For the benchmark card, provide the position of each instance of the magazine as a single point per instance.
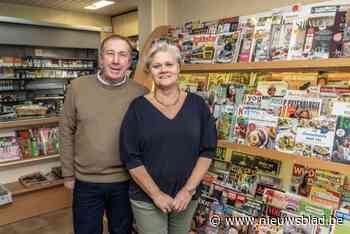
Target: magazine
(281, 32)
(9, 147)
(341, 149)
(262, 39)
(203, 48)
(226, 47)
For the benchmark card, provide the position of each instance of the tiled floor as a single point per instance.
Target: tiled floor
(59, 222)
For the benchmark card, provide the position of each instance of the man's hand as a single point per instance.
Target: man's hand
(182, 199)
(164, 202)
(69, 183)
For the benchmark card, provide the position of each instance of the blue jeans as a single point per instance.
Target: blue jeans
(91, 200)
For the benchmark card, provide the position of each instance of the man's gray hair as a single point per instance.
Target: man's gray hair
(161, 47)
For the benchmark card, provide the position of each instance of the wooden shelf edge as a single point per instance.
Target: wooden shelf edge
(295, 65)
(27, 161)
(16, 188)
(273, 154)
(29, 122)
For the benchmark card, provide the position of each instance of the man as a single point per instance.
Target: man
(93, 111)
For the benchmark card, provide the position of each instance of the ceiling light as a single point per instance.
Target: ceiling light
(99, 4)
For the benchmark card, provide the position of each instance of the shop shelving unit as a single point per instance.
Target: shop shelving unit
(332, 64)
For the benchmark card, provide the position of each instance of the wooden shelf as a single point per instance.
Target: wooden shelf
(16, 188)
(29, 122)
(28, 161)
(274, 154)
(332, 64)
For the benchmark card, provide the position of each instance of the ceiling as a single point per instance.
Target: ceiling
(119, 7)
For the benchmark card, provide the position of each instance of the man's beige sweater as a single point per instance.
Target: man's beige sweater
(89, 130)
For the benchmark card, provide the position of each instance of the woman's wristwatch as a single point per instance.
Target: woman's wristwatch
(190, 191)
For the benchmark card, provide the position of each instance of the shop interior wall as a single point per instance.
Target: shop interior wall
(126, 24)
(55, 16)
(181, 11)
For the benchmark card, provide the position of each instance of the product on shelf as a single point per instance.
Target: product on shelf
(9, 147)
(30, 110)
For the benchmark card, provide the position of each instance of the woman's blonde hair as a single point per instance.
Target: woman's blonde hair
(161, 46)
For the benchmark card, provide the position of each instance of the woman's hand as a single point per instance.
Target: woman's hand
(164, 202)
(182, 199)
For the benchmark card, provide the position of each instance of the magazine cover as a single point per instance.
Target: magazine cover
(241, 127)
(341, 149)
(314, 137)
(261, 130)
(320, 28)
(226, 47)
(272, 88)
(225, 121)
(301, 105)
(262, 165)
(9, 147)
(325, 197)
(262, 39)
(203, 48)
(200, 219)
(296, 80)
(284, 201)
(308, 208)
(247, 27)
(216, 79)
(281, 32)
(227, 25)
(296, 45)
(186, 48)
(303, 178)
(346, 36)
(345, 226)
(220, 153)
(264, 182)
(336, 48)
(297, 228)
(211, 26)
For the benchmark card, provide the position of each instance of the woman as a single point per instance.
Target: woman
(168, 139)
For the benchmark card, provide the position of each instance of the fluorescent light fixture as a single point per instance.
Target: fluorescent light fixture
(99, 4)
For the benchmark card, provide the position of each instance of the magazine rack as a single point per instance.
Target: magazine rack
(332, 64)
